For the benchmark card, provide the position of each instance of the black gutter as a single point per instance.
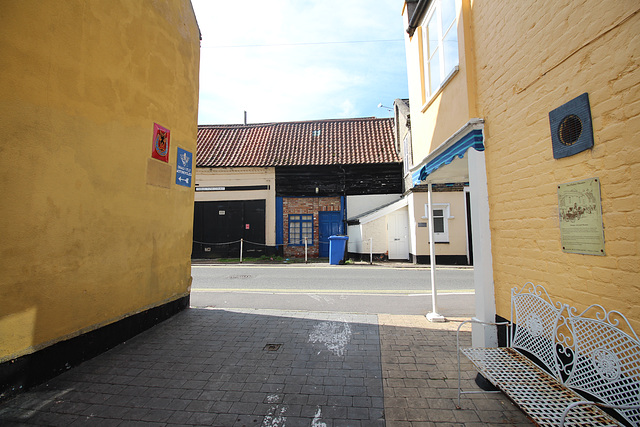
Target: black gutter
(416, 10)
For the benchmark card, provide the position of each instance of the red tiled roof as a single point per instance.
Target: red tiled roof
(339, 141)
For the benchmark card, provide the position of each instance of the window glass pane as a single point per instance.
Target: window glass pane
(308, 233)
(448, 8)
(300, 226)
(450, 50)
(438, 225)
(433, 36)
(434, 74)
(437, 212)
(441, 44)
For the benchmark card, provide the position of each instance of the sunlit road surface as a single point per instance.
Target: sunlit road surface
(322, 287)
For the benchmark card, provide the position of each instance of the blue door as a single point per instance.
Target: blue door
(329, 224)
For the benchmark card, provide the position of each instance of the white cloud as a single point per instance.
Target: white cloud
(287, 83)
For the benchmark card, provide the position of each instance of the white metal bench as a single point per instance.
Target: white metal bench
(595, 353)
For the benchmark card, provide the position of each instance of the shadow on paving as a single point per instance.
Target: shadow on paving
(223, 368)
(272, 369)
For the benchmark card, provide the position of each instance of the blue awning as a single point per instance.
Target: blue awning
(473, 139)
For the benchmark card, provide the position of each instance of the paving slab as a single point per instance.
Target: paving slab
(269, 368)
(420, 377)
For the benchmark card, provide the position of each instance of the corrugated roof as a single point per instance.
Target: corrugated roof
(318, 142)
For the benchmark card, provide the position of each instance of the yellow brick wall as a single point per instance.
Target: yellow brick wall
(85, 240)
(532, 58)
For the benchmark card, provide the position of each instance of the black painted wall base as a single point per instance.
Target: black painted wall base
(19, 374)
(502, 331)
(440, 259)
(366, 257)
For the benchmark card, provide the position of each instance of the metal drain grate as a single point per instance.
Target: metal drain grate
(272, 347)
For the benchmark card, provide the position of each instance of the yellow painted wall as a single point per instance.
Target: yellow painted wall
(85, 239)
(224, 177)
(532, 58)
(436, 119)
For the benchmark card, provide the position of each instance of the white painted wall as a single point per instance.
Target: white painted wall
(357, 205)
(354, 244)
(372, 236)
(360, 235)
(376, 229)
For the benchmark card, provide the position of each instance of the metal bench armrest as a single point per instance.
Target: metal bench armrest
(458, 347)
(479, 322)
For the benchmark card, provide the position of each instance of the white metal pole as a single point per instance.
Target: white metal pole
(241, 241)
(433, 316)
(370, 250)
(305, 250)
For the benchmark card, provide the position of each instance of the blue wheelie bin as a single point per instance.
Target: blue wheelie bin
(337, 246)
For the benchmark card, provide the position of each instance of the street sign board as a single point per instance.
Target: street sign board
(183, 167)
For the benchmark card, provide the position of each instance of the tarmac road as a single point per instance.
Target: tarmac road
(368, 289)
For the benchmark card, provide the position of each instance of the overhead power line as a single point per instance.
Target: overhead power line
(303, 44)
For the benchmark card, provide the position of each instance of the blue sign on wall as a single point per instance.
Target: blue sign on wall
(183, 168)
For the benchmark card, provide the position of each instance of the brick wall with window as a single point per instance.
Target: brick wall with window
(298, 213)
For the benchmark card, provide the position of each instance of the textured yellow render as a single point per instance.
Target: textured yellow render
(532, 57)
(85, 240)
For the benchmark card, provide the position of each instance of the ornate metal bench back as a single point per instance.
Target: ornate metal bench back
(537, 321)
(607, 359)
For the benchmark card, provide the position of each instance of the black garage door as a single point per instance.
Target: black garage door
(219, 226)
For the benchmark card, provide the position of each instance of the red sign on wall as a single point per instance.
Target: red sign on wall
(160, 143)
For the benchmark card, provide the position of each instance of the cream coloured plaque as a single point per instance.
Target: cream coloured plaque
(580, 211)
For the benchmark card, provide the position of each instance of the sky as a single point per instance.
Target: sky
(287, 60)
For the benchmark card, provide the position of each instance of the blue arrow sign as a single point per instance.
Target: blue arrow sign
(183, 168)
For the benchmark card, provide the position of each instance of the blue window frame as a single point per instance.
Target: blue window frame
(300, 226)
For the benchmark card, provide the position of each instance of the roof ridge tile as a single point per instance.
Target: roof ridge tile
(340, 141)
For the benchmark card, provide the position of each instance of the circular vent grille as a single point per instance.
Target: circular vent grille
(570, 129)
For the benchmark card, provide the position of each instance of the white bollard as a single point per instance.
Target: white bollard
(241, 241)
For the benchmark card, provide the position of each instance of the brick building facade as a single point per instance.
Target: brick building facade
(302, 206)
(287, 181)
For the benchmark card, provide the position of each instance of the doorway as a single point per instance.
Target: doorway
(397, 235)
(329, 224)
(218, 227)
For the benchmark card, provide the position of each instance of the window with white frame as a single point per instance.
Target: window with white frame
(440, 46)
(441, 217)
(300, 226)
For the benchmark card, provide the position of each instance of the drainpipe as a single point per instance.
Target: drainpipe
(416, 10)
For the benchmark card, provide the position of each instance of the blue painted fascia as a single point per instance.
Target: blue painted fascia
(473, 140)
(279, 221)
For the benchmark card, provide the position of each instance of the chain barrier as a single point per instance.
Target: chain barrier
(277, 245)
